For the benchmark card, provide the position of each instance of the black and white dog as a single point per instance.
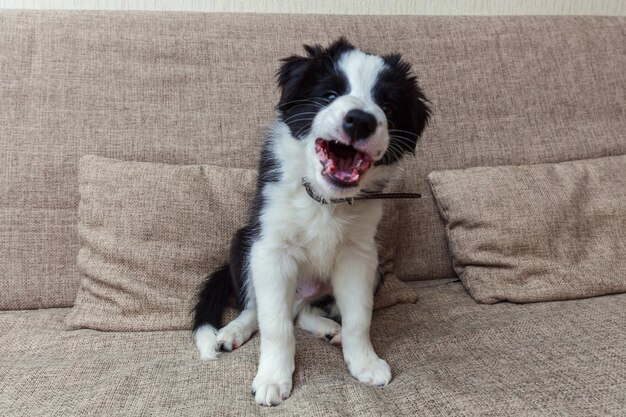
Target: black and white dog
(345, 118)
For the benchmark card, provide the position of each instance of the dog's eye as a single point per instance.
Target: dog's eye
(330, 96)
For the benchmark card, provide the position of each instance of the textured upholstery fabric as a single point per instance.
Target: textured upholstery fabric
(449, 356)
(149, 234)
(537, 232)
(199, 89)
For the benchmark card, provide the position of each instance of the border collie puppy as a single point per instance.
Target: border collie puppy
(345, 118)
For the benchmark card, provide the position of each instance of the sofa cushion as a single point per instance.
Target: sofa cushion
(448, 354)
(189, 88)
(150, 233)
(537, 232)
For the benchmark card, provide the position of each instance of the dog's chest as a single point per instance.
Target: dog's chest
(319, 236)
(310, 233)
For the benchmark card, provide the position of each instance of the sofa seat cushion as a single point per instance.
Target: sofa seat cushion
(449, 356)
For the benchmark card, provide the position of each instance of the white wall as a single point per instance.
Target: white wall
(421, 7)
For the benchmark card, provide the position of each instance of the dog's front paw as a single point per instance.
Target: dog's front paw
(370, 370)
(271, 391)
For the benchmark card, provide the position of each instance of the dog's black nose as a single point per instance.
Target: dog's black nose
(359, 124)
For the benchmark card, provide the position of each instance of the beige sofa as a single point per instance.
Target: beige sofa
(195, 88)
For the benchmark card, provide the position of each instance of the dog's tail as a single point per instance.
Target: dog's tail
(208, 311)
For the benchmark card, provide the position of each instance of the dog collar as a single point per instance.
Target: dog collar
(350, 200)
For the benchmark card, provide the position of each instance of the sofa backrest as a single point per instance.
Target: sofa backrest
(199, 88)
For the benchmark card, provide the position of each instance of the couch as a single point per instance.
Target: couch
(199, 88)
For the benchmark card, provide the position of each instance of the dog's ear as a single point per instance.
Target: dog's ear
(289, 75)
(313, 51)
(339, 46)
(295, 68)
(292, 68)
(419, 108)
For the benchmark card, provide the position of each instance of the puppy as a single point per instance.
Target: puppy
(345, 119)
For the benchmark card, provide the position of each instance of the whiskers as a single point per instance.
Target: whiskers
(400, 143)
(300, 116)
(305, 117)
(303, 129)
(304, 102)
(403, 132)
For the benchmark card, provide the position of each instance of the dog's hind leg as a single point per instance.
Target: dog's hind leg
(313, 321)
(238, 331)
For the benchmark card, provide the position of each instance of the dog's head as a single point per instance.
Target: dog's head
(356, 114)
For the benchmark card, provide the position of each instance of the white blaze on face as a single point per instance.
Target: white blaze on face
(362, 72)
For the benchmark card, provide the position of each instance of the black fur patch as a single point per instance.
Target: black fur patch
(307, 83)
(212, 299)
(405, 106)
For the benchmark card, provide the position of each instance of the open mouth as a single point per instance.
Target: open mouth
(342, 164)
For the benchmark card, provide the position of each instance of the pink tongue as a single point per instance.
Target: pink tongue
(343, 171)
(345, 176)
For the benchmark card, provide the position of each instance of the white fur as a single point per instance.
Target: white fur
(206, 342)
(274, 270)
(362, 71)
(354, 280)
(301, 238)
